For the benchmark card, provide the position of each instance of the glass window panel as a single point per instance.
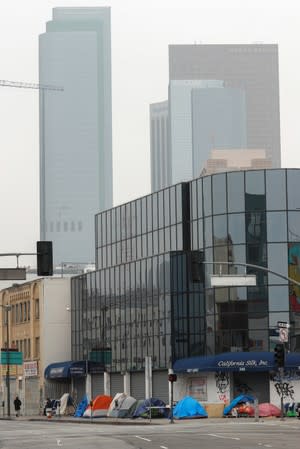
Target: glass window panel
(279, 298)
(167, 206)
(108, 222)
(255, 182)
(193, 200)
(155, 210)
(235, 192)
(208, 232)
(133, 218)
(293, 182)
(276, 189)
(194, 236)
(161, 209)
(178, 203)
(219, 193)
(149, 213)
(277, 262)
(113, 225)
(200, 233)
(237, 253)
(276, 227)
(294, 226)
(179, 237)
(207, 195)
(220, 235)
(236, 228)
(173, 205)
(167, 240)
(144, 215)
(173, 238)
(161, 240)
(199, 196)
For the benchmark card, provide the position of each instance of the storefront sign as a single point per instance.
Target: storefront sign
(30, 369)
(243, 364)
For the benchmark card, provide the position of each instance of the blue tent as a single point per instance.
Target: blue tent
(238, 400)
(158, 409)
(81, 407)
(188, 407)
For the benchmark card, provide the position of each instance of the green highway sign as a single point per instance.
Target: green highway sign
(11, 358)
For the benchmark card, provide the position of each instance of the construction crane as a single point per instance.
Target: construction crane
(22, 85)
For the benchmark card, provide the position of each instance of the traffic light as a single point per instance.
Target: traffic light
(172, 377)
(279, 355)
(44, 258)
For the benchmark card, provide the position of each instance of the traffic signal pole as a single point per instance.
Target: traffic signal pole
(8, 365)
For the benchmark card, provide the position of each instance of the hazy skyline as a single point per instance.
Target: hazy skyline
(140, 37)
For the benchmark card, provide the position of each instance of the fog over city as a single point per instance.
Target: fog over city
(141, 32)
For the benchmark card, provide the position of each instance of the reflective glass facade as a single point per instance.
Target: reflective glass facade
(147, 296)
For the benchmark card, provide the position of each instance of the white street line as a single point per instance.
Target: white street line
(163, 447)
(141, 438)
(268, 445)
(222, 436)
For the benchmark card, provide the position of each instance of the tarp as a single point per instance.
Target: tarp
(158, 409)
(242, 398)
(81, 407)
(120, 405)
(266, 409)
(100, 407)
(66, 405)
(235, 361)
(188, 407)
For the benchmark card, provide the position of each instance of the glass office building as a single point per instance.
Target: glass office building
(150, 295)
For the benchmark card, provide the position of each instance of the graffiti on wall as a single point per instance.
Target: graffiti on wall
(285, 390)
(222, 384)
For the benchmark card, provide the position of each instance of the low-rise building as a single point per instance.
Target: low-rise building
(38, 325)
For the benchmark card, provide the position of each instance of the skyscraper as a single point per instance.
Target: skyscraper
(253, 68)
(75, 129)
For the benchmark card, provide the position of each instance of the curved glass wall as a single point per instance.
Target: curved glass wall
(148, 297)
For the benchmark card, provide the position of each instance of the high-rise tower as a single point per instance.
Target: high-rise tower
(252, 68)
(75, 130)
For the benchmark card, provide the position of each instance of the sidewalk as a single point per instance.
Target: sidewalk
(133, 422)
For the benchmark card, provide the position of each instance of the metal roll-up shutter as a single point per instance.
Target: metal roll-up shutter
(32, 396)
(79, 389)
(137, 385)
(55, 389)
(97, 384)
(160, 385)
(116, 384)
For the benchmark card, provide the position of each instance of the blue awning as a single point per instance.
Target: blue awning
(235, 361)
(65, 370)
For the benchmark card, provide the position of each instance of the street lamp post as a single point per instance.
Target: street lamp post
(7, 308)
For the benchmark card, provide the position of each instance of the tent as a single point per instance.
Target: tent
(120, 405)
(99, 408)
(188, 407)
(81, 407)
(266, 409)
(242, 398)
(158, 409)
(66, 405)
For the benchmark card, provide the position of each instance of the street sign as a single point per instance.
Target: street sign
(232, 280)
(283, 324)
(11, 358)
(12, 274)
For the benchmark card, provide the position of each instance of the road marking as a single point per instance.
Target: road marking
(141, 438)
(163, 447)
(222, 436)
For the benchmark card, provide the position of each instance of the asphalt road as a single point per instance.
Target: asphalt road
(194, 434)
